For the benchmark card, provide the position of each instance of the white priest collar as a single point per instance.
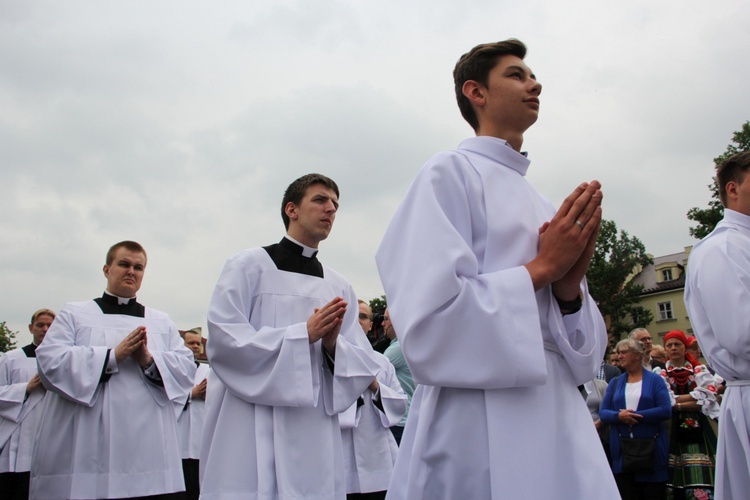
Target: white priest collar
(307, 251)
(120, 300)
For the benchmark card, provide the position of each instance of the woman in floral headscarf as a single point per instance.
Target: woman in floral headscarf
(692, 448)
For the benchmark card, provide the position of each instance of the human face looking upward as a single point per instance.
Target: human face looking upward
(509, 104)
(311, 221)
(193, 342)
(39, 327)
(125, 274)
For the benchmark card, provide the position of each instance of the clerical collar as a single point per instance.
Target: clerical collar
(298, 247)
(110, 297)
(110, 304)
(289, 256)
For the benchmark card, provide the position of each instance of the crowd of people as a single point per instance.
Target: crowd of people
(472, 391)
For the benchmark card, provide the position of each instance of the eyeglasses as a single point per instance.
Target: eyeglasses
(364, 316)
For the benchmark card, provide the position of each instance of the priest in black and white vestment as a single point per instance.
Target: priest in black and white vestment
(287, 355)
(114, 371)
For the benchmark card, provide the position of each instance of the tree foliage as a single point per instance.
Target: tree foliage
(378, 305)
(707, 218)
(7, 338)
(616, 257)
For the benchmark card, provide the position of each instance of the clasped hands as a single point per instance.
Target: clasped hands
(325, 323)
(629, 417)
(567, 243)
(135, 345)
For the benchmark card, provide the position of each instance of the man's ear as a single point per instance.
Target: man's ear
(291, 210)
(105, 270)
(731, 189)
(474, 92)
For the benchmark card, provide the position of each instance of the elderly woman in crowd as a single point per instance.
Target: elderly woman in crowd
(636, 405)
(693, 441)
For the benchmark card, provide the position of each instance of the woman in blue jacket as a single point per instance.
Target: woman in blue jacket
(636, 405)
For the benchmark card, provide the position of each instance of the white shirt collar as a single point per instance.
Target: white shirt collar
(306, 250)
(120, 300)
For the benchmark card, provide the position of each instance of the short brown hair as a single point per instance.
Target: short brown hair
(732, 169)
(297, 189)
(42, 312)
(128, 245)
(476, 65)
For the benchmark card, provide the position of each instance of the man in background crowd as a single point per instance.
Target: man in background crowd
(21, 393)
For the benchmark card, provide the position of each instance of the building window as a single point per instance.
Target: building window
(666, 275)
(665, 311)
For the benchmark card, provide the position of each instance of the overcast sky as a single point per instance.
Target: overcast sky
(179, 125)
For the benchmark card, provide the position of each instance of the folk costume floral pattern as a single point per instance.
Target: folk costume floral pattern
(692, 448)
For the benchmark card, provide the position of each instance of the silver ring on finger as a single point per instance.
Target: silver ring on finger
(579, 224)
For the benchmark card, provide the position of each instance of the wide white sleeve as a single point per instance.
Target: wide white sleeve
(457, 327)
(265, 364)
(354, 367)
(719, 284)
(176, 367)
(581, 337)
(392, 396)
(70, 370)
(12, 395)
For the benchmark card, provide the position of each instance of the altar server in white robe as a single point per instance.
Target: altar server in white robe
(114, 371)
(287, 355)
(370, 449)
(21, 393)
(191, 417)
(485, 285)
(717, 295)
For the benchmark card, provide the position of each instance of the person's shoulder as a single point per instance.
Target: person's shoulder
(248, 258)
(331, 274)
(12, 354)
(152, 313)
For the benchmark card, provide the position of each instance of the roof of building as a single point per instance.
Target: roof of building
(647, 277)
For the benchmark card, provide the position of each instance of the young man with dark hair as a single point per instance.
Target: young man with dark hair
(288, 356)
(485, 285)
(717, 294)
(21, 394)
(114, 370)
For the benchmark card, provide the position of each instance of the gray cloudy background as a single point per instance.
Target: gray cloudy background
(179, 124)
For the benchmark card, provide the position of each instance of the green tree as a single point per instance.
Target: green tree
(378, 305)
(707, 218)
(7, 338)
(616, 258)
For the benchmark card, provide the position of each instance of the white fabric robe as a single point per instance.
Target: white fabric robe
(370, 449)
(19, 417)
(190, 420)
(497, 413)
(717, 295)
(272, 429)
(117, 438)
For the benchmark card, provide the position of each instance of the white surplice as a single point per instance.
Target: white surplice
(717, 296)
(497, 413)
(116, 438)
(272, 429)
(19, 415)
(370, 449)
(191, 418)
